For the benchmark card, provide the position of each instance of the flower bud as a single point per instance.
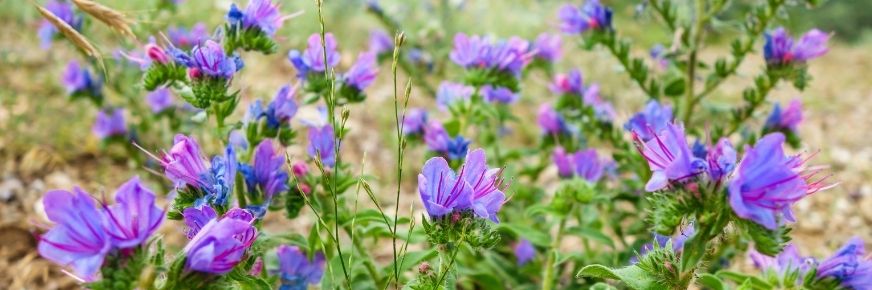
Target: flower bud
(424, 268)
(300, 169)
(156, 53)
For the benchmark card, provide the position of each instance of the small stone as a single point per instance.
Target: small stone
(9, 188)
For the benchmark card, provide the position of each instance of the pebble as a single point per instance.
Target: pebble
(10, 187)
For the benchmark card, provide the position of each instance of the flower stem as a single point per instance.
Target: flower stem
(548, 277)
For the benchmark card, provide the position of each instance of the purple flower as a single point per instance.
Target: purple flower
(767, 182)
(443, 191)
(788, 119)
(563, 162)
(548, 47)
(313, 58)
(721, 159)
(280, 110)
(658, 54)
(414, 121)
(601, 109)
(185, 165)
(78, 239)
(159, 100)
(678, 239)
(591, 16)
(650, 121)
(551, 121)
(436, 137)
(438, 140)
(109, 123)
(450, 93)
(787, 261)
(266, 172)
(221, 243)
(260, 14)
(322, 144)
(237, 140)
(363, 72)
(64, 11)
(134, 216)
(524, 251)
(196, 218)
(668, 156)
(487, 185)
(297, 270)
(78, 80)
(780, 48)
(380, 42)
(498, 94)
(568, 84)
(588, 165)
(209, 58)
(849, 266)
(184, 38)
(476, 52)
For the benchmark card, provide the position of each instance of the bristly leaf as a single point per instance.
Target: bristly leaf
(767, 242)
(632, 276)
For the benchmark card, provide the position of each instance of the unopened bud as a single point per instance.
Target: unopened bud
(156, 53)
(424, 268)
(455, 217)
(194, 73)
(300, 169)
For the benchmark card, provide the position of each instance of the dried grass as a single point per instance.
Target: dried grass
(74, 36)
(112, 18)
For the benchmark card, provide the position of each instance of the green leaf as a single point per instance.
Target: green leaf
(711, 282)
(535, 236)
(675, 87)
(632, 276)
(751, 281)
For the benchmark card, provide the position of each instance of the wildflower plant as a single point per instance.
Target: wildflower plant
(663, 200)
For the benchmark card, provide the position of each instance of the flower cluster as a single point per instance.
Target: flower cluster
(276, 117)
(297, 270)
(786, 120)
(265, 177)
(848, 267)
(185, 165)
(110, 124)
(81, 84)
(312, 62)
(84, 234)
(438, 140)
(254, 27)
(492, 64)
(781, 49)
(451, 93)
(571, 88)
(187, 38)
(591, 16)
(476, 187)
(584, 163)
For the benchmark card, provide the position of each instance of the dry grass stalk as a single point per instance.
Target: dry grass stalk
(74, 36)
(114, 19)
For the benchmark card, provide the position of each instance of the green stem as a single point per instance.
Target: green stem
(447, 272)
(690, 78)
(548, 277)
(743, 50)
